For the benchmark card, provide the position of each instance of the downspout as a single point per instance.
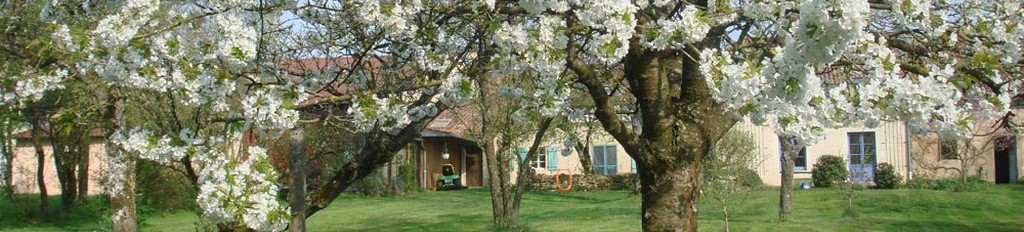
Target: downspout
(910, 159)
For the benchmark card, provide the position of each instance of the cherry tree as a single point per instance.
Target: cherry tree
(693, 69)
(932, 65)
(198, 51)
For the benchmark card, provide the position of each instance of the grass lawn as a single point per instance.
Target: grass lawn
(991, 208)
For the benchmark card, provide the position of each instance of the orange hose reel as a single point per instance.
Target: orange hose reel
(558, 182)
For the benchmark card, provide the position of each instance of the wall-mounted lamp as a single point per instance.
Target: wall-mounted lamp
(445, 154)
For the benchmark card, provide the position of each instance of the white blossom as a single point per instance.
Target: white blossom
(242, 191)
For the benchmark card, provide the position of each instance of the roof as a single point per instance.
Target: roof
(455, 122)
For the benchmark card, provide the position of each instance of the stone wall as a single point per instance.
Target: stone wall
(543, 182)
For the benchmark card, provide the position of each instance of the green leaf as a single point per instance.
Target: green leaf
(888, 64)
(611, 46)
(811, 30)
(787, 120)
(995, 101)
(815, 101)
(466, 86)
(791, 85)
(237, 53)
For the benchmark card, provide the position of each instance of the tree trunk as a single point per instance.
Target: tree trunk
(504, 181)
(37, 133)
(66, 176)
(121, 171)
(583, 152)
(725, 216)
(526, 172)
(83, 168)
(679, 123)
(494, 164)
(66, 146)
(788, 159)
(8, 153)
(786, 187)
(297, 170)
(494, 178)
(373, 155)
(670, 197)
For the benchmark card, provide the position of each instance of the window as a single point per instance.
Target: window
(540, 162)
(605, 159)
(948, 150)
(800, 163)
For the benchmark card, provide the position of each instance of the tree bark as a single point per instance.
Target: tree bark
(670, 197)
(8, 153)
(494, 164)
(725, 216)
(66, 177)
(379, 151)
(787, 158)
(83, 168)
(37, 143)
(679, 124)
(785, 188)
(526, 172)
(583, 150)
(66, 147)
(121, 171)
(297, 171)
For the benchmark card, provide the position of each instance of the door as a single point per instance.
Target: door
(474, 167)
(1004, 159)
(862, 158)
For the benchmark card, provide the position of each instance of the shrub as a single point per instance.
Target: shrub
(828, 171)
(886, 177)
(951, 184)
(749, 178)
(161, 189)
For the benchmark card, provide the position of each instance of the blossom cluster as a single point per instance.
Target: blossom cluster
(32, 86)
(144, 144)
(265, 109)
(242, 191)
(689, 27)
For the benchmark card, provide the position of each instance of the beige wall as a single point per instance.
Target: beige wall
(569, 160)
(890, 140)
(25, 165)
(979, 159)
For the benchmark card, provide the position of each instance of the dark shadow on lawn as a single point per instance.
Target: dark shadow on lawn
(23, 213)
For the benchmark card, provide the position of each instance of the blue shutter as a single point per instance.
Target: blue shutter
(552, 158)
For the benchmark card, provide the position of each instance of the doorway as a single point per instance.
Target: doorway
(1005, 159)
(862, 156)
